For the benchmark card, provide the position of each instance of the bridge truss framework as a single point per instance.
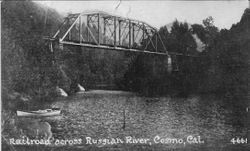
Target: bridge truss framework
(104, 31)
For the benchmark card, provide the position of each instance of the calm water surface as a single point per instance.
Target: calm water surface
(114, 114)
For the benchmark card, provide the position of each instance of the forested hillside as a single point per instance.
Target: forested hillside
(226, 58)
(27, 69)
(221, 68)
(26, 66)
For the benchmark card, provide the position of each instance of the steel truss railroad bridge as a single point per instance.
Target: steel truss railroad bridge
(105, 31)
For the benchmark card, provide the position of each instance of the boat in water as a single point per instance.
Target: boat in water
(40, 113)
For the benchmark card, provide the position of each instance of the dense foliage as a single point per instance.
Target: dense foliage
(26, 65)
(226, 58)
(221, 68)
(152, 74)
(27, 61)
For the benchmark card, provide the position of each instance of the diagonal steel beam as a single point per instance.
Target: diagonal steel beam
(70, 28)
(92, 35)
(59, 30)
(150, 39)
(162, 42)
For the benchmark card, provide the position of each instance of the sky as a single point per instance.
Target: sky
(160, 13)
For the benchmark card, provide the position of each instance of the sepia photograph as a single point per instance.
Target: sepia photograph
(125, 75)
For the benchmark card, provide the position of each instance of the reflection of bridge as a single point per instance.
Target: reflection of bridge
(105, 31)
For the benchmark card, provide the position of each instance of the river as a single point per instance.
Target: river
(102, 114)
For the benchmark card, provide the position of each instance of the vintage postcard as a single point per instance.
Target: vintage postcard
(125, 75)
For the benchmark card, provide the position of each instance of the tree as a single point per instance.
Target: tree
(181, 39)
(208, 22)
(211, 30)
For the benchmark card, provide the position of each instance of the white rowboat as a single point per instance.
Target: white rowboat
(46, 112)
